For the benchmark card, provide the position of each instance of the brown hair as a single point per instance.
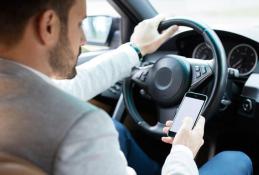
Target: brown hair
(14, 15)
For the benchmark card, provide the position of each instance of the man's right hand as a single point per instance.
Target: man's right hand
(191, 138)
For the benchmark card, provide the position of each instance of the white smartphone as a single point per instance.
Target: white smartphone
(191, 106)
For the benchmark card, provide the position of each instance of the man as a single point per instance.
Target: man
(40, 123)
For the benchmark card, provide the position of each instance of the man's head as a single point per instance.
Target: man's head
(43, 34)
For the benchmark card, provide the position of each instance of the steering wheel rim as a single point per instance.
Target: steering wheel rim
(220, 76)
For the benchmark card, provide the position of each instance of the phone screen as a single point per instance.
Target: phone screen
(190, 107)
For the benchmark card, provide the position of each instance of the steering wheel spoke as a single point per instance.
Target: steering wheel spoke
(165, 114)
(140, 75)
(201, 71)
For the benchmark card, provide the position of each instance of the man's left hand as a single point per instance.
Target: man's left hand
(147, 37)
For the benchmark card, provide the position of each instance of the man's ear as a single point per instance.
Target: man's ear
(48, 28)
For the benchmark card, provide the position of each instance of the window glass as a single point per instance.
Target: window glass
(239, 12)
(100, 7)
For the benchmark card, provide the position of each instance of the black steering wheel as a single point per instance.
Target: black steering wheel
(167, 80)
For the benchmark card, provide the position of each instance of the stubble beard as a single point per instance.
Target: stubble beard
(61, 58)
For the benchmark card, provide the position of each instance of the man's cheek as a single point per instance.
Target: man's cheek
(79, 51)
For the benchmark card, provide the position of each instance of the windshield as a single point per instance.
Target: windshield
(213, 12)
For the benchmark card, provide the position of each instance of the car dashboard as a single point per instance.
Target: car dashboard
(241, 47)
(241, 52)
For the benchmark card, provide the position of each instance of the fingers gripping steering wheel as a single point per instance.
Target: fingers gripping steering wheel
(172, 76)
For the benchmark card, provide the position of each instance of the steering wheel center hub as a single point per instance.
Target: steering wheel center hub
(170, 80)
(163, 78)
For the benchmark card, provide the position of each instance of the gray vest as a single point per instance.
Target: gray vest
(35, 116)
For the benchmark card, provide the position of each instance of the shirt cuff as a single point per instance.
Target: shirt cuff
(131, 54)
(182, 148)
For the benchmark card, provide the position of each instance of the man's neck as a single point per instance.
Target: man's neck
(26, 57)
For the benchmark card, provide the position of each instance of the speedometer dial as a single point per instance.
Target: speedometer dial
(244, 58)
(202, 51)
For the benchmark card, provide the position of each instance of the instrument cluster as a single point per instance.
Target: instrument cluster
(243, 57)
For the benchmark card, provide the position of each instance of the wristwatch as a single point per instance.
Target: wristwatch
(137, 49)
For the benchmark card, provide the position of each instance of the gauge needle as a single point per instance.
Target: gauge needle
(237, 63)
(204, 57)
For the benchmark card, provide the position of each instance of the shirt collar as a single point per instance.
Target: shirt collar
(43, 76)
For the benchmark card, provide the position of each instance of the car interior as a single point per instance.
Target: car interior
(218, 61)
